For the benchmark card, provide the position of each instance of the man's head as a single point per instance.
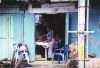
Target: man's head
(49, 28)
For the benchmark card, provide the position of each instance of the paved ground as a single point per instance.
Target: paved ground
(45, 64)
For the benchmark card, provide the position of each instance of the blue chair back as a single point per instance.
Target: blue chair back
(63, 52)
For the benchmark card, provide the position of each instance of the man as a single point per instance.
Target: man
(50, 38)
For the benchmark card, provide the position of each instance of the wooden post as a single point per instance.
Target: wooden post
(81, 28)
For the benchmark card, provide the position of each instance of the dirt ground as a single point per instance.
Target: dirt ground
(45, 64)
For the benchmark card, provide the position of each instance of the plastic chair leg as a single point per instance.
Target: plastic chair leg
(58, 59)
(63, 58)
(52, 59)
(27, 57)
(66, 58)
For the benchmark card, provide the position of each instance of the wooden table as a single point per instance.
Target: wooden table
(45, 45)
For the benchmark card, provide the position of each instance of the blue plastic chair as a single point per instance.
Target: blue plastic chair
(61, 52)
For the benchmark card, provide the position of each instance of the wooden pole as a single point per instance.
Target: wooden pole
(81, 29)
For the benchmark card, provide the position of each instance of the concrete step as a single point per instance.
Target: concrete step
(92, 63)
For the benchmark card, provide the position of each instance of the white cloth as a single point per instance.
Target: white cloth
(45, 44)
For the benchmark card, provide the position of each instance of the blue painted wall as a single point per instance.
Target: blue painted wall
(94, 25)
(6, 36)
(16, 26)
(24, 31)
(29, 34)
(73, 18)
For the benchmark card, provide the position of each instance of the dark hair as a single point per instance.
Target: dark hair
(48, 27)
(19, 45)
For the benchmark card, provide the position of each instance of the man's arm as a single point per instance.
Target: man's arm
(41, 36)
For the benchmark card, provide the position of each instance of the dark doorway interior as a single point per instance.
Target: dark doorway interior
(57, 23)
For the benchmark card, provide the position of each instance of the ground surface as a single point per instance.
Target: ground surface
(45, 64)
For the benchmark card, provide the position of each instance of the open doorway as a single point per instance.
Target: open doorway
(56, 22)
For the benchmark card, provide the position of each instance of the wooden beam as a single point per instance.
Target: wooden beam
(61, 0)
(54, 8)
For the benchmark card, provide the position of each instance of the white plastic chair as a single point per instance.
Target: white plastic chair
(24, 54)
